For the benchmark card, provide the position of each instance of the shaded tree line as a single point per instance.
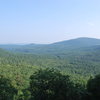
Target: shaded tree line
(50, 84)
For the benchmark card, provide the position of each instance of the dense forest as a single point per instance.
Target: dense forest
(67, 70)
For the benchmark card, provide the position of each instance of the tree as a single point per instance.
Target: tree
(80, 92)
(49, 84)
(7, 91)
(93, 87)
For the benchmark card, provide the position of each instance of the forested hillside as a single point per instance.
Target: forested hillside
(78, 58)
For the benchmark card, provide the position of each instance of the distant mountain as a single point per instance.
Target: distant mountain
(80, 42)
(58, 47)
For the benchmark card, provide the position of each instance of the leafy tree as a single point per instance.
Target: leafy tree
(25, 95)
(93, 87)
(7, 91)
(49, 84)
(80, 92)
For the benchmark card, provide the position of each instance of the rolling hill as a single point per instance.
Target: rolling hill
(59, 47)
(79, 58)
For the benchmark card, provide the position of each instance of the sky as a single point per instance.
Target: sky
(48, 21)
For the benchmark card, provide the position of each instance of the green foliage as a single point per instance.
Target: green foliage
(7, 91)
(79, 59)
(49, 84)
(93, 87)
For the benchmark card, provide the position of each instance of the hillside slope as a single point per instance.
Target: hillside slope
(59, 47)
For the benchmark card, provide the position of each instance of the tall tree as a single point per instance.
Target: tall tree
(93, 87)
(7, 91)
(49, 84)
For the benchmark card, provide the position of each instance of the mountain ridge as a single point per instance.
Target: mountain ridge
(79, 38)
(60, 47)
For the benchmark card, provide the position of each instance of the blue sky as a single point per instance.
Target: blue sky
(48, 21)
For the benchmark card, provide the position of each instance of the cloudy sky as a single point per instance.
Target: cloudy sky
(48, 21)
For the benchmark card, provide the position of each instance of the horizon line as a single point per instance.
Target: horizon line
(46, 43)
